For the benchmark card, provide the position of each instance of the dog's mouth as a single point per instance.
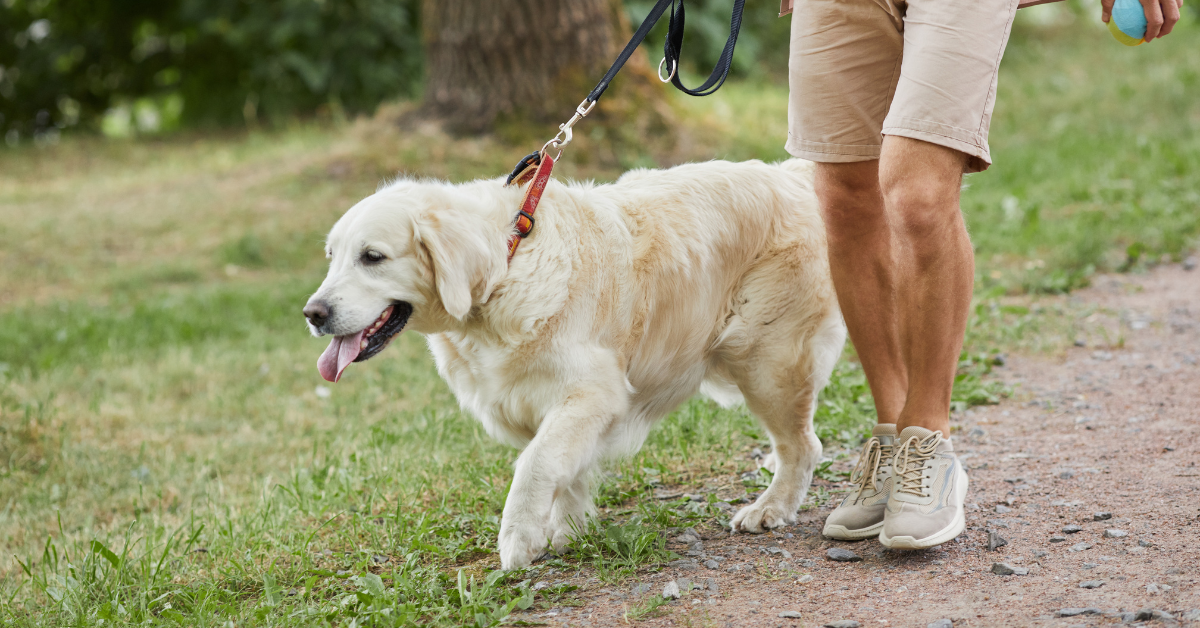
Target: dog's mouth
(365, 344)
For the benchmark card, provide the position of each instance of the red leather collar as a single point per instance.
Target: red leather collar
(539, 173)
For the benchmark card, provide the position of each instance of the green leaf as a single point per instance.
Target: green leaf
(271, 590)
(107, 554)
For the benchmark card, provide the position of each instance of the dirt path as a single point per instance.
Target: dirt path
(1095, 431)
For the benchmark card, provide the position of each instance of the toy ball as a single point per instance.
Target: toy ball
(1128, 22)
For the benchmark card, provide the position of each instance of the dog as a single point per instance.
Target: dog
(624, 301)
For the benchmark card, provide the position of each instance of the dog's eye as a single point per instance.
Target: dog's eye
(372, 257)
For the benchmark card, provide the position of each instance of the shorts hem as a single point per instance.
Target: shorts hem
(821, 152)
(978, 156)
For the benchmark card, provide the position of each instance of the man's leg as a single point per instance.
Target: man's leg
(862, 261)
(935, 272)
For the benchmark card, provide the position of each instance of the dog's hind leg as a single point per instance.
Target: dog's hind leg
(781, 378)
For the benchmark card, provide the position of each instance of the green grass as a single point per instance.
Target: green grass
(169, 456)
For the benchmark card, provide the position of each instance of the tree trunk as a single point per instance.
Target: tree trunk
(530, 61)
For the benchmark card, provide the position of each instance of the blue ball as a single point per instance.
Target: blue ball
(1130, 18)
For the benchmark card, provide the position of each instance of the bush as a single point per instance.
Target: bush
(66, 62)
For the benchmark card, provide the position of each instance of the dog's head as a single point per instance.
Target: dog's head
(414, 254)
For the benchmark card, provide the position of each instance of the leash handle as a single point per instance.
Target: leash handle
(672, 49)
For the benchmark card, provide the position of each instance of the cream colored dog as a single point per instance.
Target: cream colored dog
(623, 302)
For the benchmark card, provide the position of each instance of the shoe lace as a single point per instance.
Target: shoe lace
(909, 467)
(867, 469)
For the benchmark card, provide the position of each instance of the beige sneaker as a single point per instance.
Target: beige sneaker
(929, 485)
(860, 515)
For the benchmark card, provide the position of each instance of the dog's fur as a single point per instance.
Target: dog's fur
(624, 301)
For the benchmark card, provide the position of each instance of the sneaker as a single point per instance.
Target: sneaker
(860, 515)
(929, 485)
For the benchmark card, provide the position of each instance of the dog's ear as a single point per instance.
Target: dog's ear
(466, 263)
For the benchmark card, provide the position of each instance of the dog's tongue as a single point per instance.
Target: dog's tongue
(341, 352)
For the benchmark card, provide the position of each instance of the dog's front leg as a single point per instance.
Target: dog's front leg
(562, 453)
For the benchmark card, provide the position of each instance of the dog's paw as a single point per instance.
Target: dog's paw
(764, 514)
(520, 545)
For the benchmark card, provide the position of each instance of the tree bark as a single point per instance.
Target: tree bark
(526, 60)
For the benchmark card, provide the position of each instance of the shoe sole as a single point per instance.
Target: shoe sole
(842, 533)
(956, 527)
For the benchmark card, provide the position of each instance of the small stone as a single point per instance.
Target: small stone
(995, 541)
(998, 523)
(1057, 539)
(1005, 569)
(671, 591)
(1079, 547)
(641, 588)
(1072, 612)
(712, 564)
(1144, 543)
(1040, 553)
(1091, 584)
(1102, 516)
(1192, 615)
(941, 623)
(842, 555)
(1190, 263)
(1002, 509)
(790, 615)
(683, 563)
(538, 586)
(805, 579)
(1147, 614)
(1115, 534)
(1072, 529)
(843, 623)
(1090, 565)
(1066, 475)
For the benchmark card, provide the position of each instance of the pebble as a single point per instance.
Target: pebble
(1115, 534)
(1144, 543)
(1079, 547)
(1057, 539)
(712, 586)
(712, 564)
(1190, 263)
(1102, 516)
(1005, 569)
(641, 588)
(1002, 509)
(842, 556)
(1072, 529)
(538, 586)
(1040, 553)
(683, 563)
(843, 623)
(688, 537)
(790, 615)
(1147, 614)
(779, 551)
(1091, 584)
(1072, 612)
(805, 579)
(1192, 615)
(1066, 475)
(1154, 588)
(995, 541)
(1090, 565)
(671, 591)
(941, 623)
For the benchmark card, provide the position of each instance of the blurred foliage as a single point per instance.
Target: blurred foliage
(157, 63)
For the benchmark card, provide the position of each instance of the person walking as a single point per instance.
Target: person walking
(893, 100)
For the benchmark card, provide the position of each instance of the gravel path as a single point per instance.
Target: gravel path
(1086, 482)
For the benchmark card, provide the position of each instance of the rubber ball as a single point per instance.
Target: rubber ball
(1128, 22)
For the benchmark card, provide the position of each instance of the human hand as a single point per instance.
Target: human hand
(1161, 15)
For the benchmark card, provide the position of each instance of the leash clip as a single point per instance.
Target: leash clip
(565, 134)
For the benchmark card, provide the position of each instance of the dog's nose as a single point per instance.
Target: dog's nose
(316, 312)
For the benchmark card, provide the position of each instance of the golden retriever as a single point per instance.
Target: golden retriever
(625, 300)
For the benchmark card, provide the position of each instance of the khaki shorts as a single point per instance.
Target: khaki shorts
(924, 69)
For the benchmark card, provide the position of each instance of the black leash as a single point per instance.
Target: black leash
(671, 51)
